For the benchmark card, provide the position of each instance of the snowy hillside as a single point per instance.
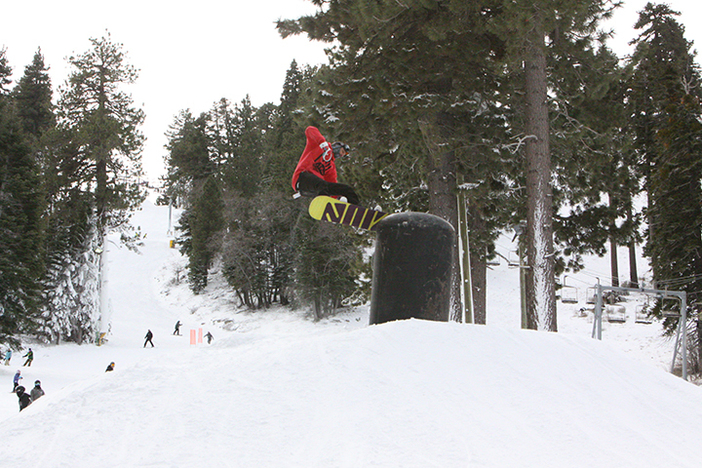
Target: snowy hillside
(277, 390)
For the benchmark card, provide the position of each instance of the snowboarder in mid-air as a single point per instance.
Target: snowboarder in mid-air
(315, 173)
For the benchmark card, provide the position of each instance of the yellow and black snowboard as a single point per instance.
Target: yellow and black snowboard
(335, 211)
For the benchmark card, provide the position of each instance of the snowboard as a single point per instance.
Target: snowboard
(334, 211)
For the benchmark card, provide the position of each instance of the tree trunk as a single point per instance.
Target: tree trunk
(614, 262)
(479, 276)
(442, 192)
(541, 291)
(633, 271)
(476, 224)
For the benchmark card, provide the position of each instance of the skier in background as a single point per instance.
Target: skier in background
(37, 392)
(315, 173)
(8, 356)
(148, 337)
(177, 328)
(30, 358)
(209, 337)
(110, 367)
(16, 379)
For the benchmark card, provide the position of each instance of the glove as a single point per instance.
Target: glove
(337, 146)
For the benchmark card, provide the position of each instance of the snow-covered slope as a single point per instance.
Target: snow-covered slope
(277, 390)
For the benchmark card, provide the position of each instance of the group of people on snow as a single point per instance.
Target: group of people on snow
(29, 356)
(24, 398)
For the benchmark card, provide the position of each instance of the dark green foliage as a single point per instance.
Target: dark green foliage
(32, 97)
(92, 167)
(251, 153)
(5, 72)
(664, 103)
(104, 124)
(205, 222)
(412, 87)
(325, 265)
(21, 233)
(258, 250)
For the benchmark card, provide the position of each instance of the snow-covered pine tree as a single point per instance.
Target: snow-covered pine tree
(73, 302)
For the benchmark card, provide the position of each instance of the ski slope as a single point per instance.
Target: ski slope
(277, 390)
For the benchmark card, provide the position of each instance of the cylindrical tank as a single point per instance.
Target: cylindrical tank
(412, 268)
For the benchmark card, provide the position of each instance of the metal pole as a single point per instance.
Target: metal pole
(464, 248)
(597, 323)
(683, 326)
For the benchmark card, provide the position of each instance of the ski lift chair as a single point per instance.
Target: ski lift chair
(642, 314)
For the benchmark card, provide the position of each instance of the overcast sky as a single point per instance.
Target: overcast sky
(191, 54)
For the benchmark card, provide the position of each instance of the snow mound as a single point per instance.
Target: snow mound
(402, 394)
(275, 389)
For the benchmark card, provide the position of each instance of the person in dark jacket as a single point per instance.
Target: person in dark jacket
(37, 392)
(148, 337)
(110, 367)
(315, 173)
(24, 398)
(177, 328)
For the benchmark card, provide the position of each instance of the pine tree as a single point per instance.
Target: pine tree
(284, 142)
(191, 177)
(32, 96)
(21, 239)
(104, 122)
(204, 222)
(5, 72)
(325, 267)
(92, 170)
(536, 35)
(412, 85)
(664, 102)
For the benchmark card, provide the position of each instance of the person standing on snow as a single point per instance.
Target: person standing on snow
(177, 328)
(209, 337)
(24, 398)
(16, 380)
(148, 337)
(30, 358)
(8, 356)
(315, 173)
(37, 392)
(110, 367)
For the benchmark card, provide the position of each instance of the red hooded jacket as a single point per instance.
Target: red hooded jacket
(317, 158)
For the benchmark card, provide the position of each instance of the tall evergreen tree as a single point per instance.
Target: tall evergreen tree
(104, 121)
(95, 164)
(5, 72)
(664, 103)
(21, 233)
(204, 222)
(191, 170)
(412, 86)
(32, 96)
(537, 33)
